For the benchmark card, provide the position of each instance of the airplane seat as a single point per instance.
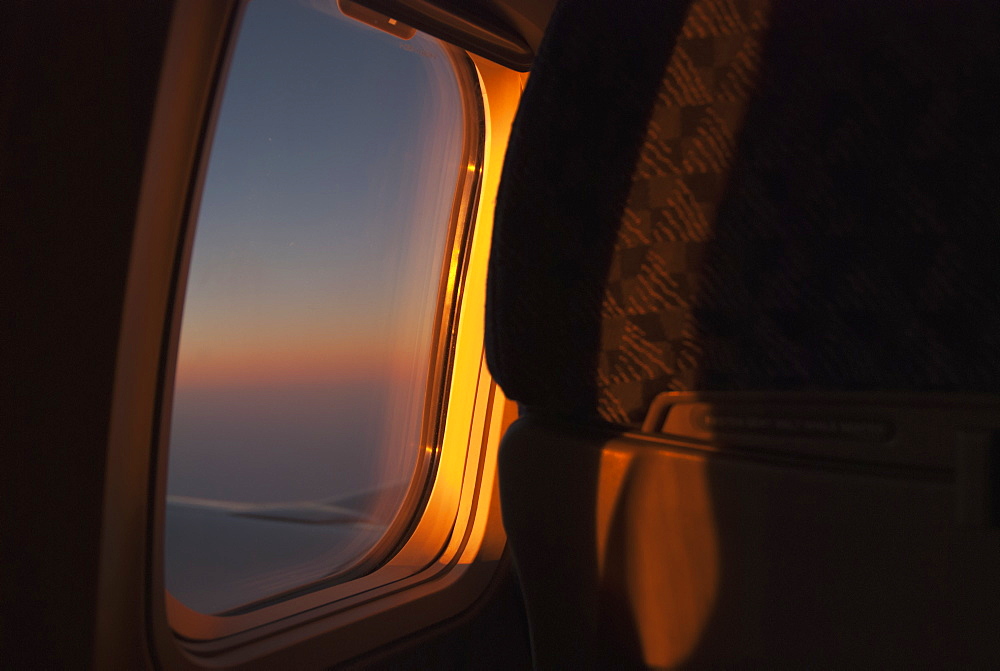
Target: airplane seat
(743, 288)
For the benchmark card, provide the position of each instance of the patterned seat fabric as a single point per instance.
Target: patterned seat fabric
(812, 206)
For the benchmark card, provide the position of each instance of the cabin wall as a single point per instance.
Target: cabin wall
(79, 81)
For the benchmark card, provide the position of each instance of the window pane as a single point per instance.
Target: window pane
(308, 320)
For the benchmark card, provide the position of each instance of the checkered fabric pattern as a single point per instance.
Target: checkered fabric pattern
(823, 221)
(751, 195)
(647, 341)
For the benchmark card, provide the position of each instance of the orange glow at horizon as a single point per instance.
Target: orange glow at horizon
(211, 368)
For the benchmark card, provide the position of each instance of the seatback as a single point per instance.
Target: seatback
(743, 286)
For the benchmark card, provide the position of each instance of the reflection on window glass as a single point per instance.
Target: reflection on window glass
(308, 320)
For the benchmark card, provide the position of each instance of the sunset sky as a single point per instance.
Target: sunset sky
(317, 257)
(319, 169)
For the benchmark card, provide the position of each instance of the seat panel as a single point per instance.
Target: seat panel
(705, 551)
(792, 197)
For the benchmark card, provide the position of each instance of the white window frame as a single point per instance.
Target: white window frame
(457, 542)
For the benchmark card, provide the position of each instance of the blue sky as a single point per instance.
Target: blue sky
(318, 171)
(317, 257)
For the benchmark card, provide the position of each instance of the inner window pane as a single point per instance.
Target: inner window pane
(308, 319)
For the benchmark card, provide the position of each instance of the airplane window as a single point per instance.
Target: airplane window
(297, 420)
